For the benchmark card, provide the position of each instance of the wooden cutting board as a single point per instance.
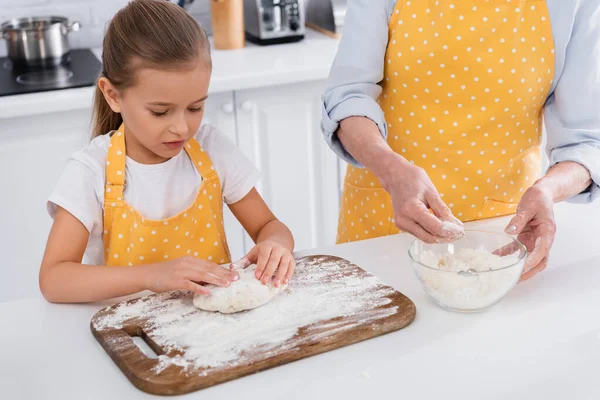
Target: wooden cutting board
(323, 285)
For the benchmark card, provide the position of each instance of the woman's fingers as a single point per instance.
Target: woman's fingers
(534, 271)
(439, 208)
(417, 230)
(540, 252)
(519, 221)
(507, 250)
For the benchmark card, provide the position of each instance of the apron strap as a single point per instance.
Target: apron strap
(201, 160)
(115, 167)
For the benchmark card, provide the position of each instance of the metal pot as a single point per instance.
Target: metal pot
(38, 41)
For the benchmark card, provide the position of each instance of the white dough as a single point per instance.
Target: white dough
(245, 294)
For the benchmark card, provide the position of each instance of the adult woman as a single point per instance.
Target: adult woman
(442, 102)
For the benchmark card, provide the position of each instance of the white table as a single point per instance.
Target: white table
(541, 342)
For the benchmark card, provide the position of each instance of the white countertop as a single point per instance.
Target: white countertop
(541, 342)
(250, 67)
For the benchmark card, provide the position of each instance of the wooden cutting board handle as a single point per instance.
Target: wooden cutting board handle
(228, 24)
(137, 366)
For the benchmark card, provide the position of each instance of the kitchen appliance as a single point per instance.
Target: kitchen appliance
(326, 16)
(274, 21)
(38, 41)
(78, 68)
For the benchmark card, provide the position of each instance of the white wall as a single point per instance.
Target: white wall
(92, 14)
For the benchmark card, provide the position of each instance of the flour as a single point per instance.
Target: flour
(320, 291)
(454, 229)
(470, 279)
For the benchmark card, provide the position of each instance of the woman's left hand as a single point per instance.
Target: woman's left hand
(535, 227)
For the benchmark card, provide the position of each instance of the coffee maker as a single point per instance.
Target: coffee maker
(274, 21)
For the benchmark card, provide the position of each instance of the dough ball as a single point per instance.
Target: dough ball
(245, 294)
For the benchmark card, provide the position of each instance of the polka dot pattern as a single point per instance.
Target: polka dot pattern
(130, 239)
(463, 91)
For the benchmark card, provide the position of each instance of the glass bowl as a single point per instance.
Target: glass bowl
(470, 274)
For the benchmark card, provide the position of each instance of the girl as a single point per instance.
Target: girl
(142, 202)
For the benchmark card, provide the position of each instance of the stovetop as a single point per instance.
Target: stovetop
(82, 70)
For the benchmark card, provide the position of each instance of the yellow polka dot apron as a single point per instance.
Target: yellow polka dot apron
(464, 86)
(130, 239)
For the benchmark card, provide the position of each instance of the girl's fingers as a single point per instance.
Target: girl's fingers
(252, 255)
(262, 260)
(195, 288)
(206, 276)
(282, 269)
(271, 267)
(242, 263)
(290, 271)
(220, 272)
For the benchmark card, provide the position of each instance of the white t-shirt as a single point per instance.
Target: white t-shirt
(157, 191)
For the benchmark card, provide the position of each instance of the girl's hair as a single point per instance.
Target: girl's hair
(145, 33)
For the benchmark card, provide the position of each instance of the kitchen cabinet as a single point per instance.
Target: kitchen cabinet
(220, 112)
(33, 153)
(277, 127)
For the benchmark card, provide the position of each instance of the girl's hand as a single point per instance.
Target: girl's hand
(535, 227)
(187, 273)
(271, 257)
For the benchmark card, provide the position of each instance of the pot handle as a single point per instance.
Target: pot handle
(73, 27)
(4, 34)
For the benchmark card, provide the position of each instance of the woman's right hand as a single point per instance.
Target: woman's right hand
(413, 194)
(187, 273)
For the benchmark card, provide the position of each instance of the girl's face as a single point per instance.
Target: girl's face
(162, 111)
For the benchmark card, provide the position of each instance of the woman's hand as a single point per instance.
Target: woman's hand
(271, 257)
(413, 194)
(535, 227)
(187, 273)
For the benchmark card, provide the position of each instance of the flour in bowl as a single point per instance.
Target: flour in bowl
(468, 279)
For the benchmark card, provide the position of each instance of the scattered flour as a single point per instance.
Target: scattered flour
(366, 374)
(472, 279)
(194, 339)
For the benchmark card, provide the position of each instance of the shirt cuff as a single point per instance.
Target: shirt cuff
(588, 155)
(352, 107)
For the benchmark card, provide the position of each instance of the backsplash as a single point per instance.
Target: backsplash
(92, 14)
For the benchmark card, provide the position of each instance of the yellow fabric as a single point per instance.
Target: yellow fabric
(130, 239)
(464, 86)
